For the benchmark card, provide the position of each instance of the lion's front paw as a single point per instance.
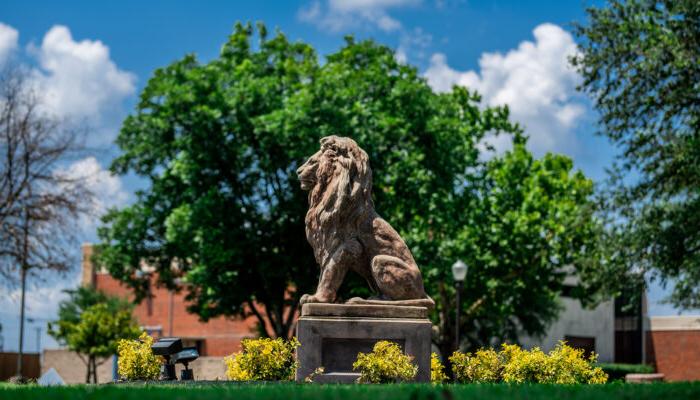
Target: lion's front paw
(313, 298)
(305, 299)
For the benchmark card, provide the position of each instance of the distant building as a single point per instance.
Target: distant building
(673, 346)
(593, 330)
(621, 333)
(164, 313)
(616, 333)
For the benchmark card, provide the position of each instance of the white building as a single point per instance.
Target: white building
(610, 331)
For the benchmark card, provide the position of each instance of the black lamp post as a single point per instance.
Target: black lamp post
(459, 273)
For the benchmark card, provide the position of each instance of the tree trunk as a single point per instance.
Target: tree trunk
(21, 322)
(87, 373)
(281, 327)
(94, 369)
(91, 375)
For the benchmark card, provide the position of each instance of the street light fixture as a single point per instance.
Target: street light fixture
(459, 273)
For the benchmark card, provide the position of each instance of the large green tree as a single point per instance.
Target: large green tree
(91, 323)
(220, 142)
(528, 227)
(640, 61)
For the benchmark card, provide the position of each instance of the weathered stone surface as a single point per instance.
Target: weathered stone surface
(347, 234)
(332, 342)
(363, 311)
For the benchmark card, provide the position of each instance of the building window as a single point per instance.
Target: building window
(628, 329)
(587, 344)
(155, 331)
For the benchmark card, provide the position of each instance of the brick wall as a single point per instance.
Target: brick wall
(165, 314)
(673, 346)
(220, 336)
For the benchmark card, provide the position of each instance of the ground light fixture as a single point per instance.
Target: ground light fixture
(184, 357)
(459, 273)
(170, 348)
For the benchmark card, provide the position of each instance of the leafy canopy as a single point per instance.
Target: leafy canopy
(639, 60)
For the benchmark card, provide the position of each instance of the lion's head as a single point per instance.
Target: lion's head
(338, 177)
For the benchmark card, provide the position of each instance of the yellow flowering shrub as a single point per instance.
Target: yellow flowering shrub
(437, 370)
(310, 378)
(563, 365)
(573, 367)
(521, 366)
(484, 366)
(385, 364)
(136, 360)
(263, 359)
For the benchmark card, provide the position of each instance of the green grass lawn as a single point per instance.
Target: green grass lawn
(657, 391)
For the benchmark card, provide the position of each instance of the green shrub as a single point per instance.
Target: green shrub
(437, 370)
(263, 360)
(618, 371)
(563, 365)
(385, 364)
(136, 360)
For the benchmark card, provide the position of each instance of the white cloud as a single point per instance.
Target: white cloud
(78, 78)
(107, 189)
(41, 304)
(535, 81)
(338, 15)
(413, 44)
(8, 41)
(41, 301)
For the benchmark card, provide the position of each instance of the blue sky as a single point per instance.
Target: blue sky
(93, 58)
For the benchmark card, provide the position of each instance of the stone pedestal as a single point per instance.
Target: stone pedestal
(331, 335)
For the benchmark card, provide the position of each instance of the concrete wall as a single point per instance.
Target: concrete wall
(206, 369)
(73, 370)
(673, 346)
(598, 323)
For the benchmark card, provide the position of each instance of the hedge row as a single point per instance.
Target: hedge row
(290, 391)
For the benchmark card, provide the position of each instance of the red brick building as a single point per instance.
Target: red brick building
(673, 347)
(164, 314)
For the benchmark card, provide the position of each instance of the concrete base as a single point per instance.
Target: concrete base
(644, 378)
(331, 335)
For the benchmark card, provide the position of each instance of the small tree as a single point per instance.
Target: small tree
(91, 324)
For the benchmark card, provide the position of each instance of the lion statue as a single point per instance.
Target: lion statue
(346, 233)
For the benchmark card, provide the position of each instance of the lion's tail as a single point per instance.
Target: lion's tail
(426, 302)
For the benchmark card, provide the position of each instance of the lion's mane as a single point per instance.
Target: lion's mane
(341, 200)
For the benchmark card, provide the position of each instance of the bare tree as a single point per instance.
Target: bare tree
(40, 203)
